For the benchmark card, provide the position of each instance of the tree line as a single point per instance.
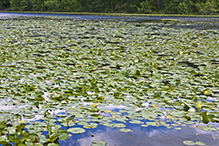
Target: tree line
(204, 7)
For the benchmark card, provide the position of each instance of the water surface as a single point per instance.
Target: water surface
(102, 18)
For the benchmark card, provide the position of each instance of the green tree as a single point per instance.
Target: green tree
(38, 5)
(145, 7)
(186, 7)
(208, 7)
(21, 5)
(102, 5)
(121, 6)
(127, 6)
(85, 5)
(4, 4)
(172, 7)
(70, 5)
(15, 5)
(52, 5)
(26, 5)
(183, 8)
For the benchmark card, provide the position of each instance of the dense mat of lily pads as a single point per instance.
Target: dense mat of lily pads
(69, 71)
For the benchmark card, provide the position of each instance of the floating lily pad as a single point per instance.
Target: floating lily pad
(135, 122)
(199, 143)
(178, 128)
(76, 130)
(119, 125)
(151, 123)
(53, 144)
(189, 142)
(90, 125)
(125, 130)
(98, 143)
(70, 123)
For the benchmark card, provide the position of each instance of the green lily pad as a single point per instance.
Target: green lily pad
(178, 128)
(90, 125)
(98, 143)
(68, 123)
(125, 130)
(38, 144)
(53, 144)
(135, 122)
(189, 142)
(76, 130)
(199, 143)
(119, 125)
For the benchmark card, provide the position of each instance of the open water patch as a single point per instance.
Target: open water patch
(107, 18)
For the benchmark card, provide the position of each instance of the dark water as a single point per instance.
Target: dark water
(98, 18)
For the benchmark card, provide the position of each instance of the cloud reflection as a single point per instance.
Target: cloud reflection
(141, 136)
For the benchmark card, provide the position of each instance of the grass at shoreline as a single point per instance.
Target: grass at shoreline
(113, 14)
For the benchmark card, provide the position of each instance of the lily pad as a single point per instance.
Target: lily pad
(76, 130)
(199, 143)
(119, 125)
(189, 142)
(125, 130)
(98, 143)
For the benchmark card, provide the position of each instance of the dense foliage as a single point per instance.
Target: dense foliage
(62, 76)
(122, 6)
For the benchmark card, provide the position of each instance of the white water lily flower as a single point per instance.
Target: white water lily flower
(191, 109)
(146, 104)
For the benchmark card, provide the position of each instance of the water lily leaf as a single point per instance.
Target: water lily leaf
(186, 106)
(61, 115)
(137, 73)
(63, 134)
(31, 137)
(108, 124)
(204, 113)
(3, 125)
(53, 144)
(70, 123)
(54, 128)
(90, 125)
(76, 130)
(178, 128)
(199, 143)
(54, 136)
(125, 130)
(188, 142)
(151, 123)
(98, 143)
(198, 106)
(135, 122)
(20, 127)
(3, 140)
(42, 138)
(119, 125)
(205, 119)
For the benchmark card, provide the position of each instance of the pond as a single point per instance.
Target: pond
(66, 81)
(101, 18)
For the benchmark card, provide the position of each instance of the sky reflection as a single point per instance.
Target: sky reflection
(143, 136)
(139, 136)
